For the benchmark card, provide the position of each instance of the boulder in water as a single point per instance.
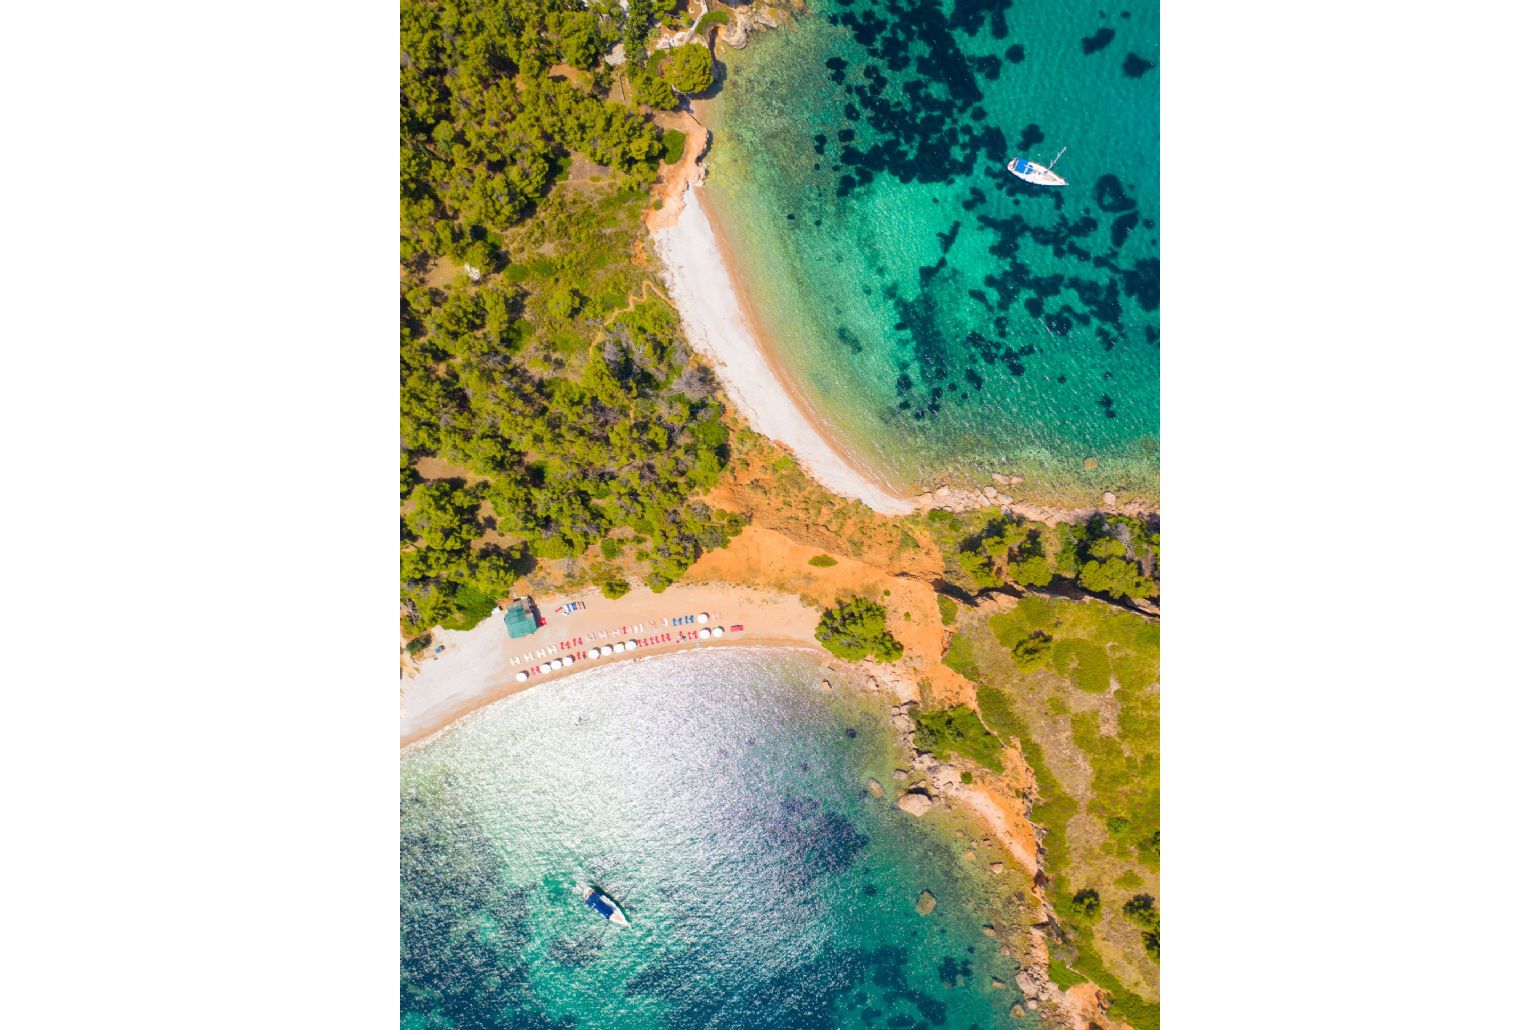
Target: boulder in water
(927, 903)
(874, 788)
(916, 802)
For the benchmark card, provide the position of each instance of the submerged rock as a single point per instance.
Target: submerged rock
(997, 983)
(1018, 1012)
(927, 903)
(997, 867)
(874, 788)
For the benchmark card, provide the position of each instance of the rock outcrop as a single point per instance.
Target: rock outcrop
(915, 802)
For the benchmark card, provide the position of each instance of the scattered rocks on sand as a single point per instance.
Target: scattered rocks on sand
(997, 867)
(916, 802)
(825, 685)
(1109, 498)
(927, 903)
(874, 788)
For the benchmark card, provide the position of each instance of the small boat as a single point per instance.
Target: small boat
(1036, 174)
(606, 906)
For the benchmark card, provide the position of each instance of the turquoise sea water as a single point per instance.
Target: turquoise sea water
(939, 314)
(721, 800)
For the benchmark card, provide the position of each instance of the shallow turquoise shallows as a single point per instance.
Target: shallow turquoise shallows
(939, 314)
(720, 798)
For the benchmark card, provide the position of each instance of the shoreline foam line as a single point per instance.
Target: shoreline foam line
(715, 322)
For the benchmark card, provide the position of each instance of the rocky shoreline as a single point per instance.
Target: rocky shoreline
(998, 495)
(929, 783)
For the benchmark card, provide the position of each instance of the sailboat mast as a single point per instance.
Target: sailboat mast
(1056, 158)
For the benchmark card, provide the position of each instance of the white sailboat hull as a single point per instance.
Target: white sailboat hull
(1036, 174)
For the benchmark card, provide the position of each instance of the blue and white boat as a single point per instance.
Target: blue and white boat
(606, 906)
(1036, 174)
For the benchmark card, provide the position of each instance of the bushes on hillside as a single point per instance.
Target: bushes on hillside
(856, 628)
(957, 731)
(1141, 909)
(688, 68)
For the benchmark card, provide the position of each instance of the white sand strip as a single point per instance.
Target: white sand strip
(480, 666)
(715, 324)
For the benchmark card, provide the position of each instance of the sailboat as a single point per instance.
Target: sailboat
(1036, 174)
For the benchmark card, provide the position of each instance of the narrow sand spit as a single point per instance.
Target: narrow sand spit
(715, 322)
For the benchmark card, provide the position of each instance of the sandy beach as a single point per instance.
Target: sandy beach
(700, 280)
(479, 667)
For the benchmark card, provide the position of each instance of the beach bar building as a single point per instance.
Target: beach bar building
(519, 619)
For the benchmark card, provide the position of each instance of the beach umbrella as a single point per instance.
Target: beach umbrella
(704, 617)
(567, 659)
(717, 631)
(545, 666)
(630, 645)
(521, 677)
(607, 649)
(593, 652)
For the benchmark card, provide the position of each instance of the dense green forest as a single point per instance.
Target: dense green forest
(554, 402)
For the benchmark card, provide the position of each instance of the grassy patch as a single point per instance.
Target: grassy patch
(1084, 663)
(958, 731)
(960, 659)
(822, 561)
(946, 606)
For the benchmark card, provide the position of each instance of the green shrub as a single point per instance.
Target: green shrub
(980, 568)
(958, 731)
(1151, 938)
(563, 302)
(1030, 651)
(856, 628)
(610, 548)
(822, 561)
(688, 68)
(615, 588)
(1086, 902)
(652, 90)
(1141, 909)
(948, 609)
(673, 146)
(1116, 577)
(1032, 571)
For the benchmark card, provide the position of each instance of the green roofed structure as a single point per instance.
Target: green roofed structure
(520, 618)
